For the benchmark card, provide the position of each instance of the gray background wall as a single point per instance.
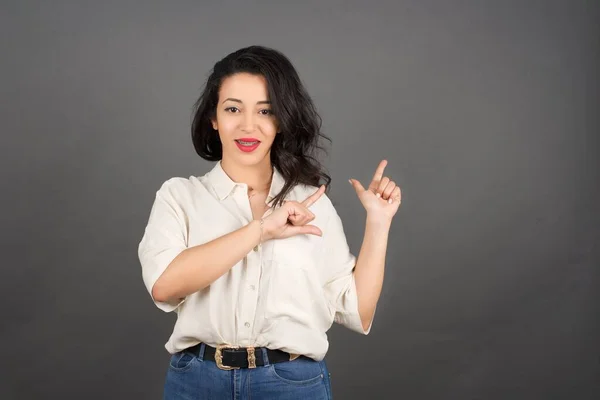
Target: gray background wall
(486, 110)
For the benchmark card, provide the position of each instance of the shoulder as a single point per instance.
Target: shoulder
(180, 190)
(175, 185)
(324, 206)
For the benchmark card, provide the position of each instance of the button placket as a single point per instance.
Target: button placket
(248, 308)
(253, 262)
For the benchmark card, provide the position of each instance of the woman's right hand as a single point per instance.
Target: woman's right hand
(292, 218)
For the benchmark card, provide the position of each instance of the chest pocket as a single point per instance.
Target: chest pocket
(294, 287)
(302, 251)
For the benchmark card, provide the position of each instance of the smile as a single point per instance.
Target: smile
(247, 145)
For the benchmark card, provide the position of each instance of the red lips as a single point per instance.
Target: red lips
(246, 148)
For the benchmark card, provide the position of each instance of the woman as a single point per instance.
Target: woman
(252, 256)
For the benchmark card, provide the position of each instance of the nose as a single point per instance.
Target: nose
(248, 123)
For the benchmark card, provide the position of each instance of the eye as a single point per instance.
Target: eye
(232, 109)
(266, 112)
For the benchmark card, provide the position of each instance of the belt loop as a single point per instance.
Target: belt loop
(265, 357)
(201, 352)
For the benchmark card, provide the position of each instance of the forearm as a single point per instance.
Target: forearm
(197, 267)
(369, 270)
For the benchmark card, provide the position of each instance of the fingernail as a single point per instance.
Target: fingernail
(390, 201)
(350, 180)
(378, 195)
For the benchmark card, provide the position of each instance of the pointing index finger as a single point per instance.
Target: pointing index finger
(379, 172)
(310, 200)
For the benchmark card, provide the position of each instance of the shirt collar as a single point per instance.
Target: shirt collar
(223, 184)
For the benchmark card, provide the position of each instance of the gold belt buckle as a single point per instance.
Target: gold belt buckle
(219, 357)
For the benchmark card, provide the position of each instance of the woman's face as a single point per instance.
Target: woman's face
(244, 119)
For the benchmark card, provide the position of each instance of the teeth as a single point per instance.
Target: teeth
(246, 143)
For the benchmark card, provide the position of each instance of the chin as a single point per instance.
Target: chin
(249, 160)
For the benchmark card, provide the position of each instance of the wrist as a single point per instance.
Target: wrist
(267, 229)
(264, 232)
(378, 222)
(258, 234)
(261, 225)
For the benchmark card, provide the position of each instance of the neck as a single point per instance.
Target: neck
(257, 177)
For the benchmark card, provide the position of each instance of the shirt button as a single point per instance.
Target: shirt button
(252, 287)
(247, 324)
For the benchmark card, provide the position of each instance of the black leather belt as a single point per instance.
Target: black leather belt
(228, 357)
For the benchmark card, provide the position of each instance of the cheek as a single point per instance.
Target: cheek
(269, 129)
(227, 126)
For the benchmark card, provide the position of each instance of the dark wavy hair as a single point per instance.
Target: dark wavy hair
(294, 150)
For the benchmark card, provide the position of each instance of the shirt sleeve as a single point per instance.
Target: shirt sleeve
(340, 286)
(165, 236)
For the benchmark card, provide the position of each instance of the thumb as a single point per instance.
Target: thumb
(304, 230)
(356, 185)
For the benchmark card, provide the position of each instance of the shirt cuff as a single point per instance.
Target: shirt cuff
(163, 305)
(348, 315)
(161, 261)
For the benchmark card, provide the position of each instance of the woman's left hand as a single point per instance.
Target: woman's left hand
(382, 198)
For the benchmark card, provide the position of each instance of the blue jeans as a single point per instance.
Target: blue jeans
(191, 377)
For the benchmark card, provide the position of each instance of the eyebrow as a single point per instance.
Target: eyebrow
(239, 101)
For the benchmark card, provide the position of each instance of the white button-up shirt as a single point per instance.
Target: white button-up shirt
(284, 295)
